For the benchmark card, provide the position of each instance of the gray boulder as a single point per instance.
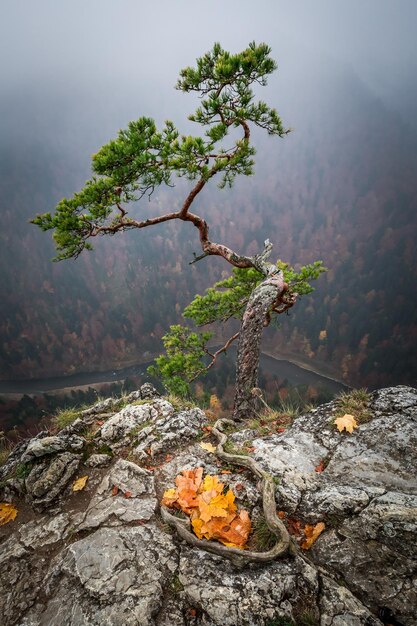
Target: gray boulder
(48, 479)
(50, 445)
(104, 557)
(126, 494)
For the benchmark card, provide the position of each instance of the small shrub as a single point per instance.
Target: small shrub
(177, 585)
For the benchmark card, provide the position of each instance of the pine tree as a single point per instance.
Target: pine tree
(143, 158)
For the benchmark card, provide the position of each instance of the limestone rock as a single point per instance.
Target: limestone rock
(135, 499)
(101, 407)
(114, 576)
(50, 445)
(169, 431)
(229, 597)
(375, 553)
(115, 432)
(145, 392)
(44, 531)
(339, 607)
(48, 479)
(366, 495)
(15, 456)
(289, 589)
(105, 558)
(98, 460)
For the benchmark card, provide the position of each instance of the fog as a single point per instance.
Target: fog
(73, 73)
(136, 47)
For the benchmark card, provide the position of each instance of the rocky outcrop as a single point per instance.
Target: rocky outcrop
(103, 556)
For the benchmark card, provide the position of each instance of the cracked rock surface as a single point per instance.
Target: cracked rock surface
(102, 555)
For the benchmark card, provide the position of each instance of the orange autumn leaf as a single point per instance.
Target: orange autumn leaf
(197, 525)
(190, 479)
(80, 483)
(8, 513)
(212, 483)
(346, 422)
(212, 511)
(115, 490)
(207, 511)
(187, 499)
(209, 447)
(170, 496)
(127, 494)
(294, 526)
(217, 506)
(233, 531)
(312, 532)
(240, 529)
(320, 467)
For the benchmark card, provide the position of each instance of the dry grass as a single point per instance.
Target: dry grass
(356, 403)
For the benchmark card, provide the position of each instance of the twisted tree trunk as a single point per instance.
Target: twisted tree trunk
(262, 300)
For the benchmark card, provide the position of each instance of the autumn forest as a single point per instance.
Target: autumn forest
(341, 188)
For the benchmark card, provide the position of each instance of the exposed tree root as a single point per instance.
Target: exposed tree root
(239, 558)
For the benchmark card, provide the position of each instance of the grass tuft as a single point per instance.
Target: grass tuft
(65, 417)
(356, 403)
(263, 538)
(179, 404)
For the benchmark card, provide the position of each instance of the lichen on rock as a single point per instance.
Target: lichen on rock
(103, 556)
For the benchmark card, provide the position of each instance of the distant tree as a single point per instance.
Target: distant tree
(142, 158)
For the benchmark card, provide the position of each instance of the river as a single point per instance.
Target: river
(281, 368)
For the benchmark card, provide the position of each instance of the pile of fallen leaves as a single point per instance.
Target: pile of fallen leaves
(212, 510)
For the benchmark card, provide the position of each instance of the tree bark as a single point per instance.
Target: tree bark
(261, 302)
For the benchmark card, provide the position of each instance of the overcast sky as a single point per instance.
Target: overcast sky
(148, 41)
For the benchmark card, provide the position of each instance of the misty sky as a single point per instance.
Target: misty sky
(62, 44)
(73, 72)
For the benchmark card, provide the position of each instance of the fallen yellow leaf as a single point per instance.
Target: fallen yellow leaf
(312, 532)
(170, 496)
(8, 513)
(208, 446)
(212, 511)
(197, 524)
(212, 483)
(80, 483)
(346, 422)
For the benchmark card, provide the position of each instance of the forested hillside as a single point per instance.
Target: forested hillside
(340, 188)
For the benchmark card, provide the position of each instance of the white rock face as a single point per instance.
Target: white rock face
(102, 556)
(135, 499)
(50, 445)
(114, 576)
(117, 428)
(168, 432)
